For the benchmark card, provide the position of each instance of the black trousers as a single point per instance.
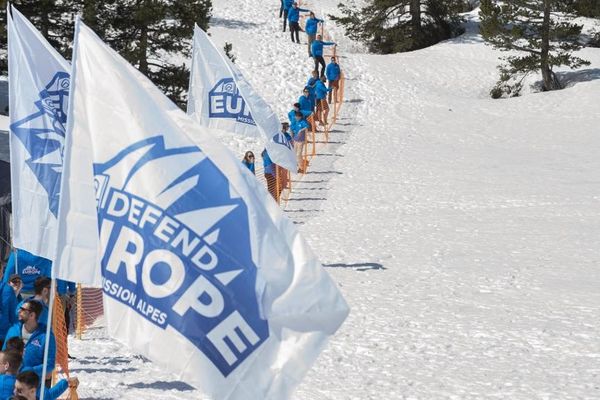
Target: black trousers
(285, 15)
(319, 60)
(295, 29)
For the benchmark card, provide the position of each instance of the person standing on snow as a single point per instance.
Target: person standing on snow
(269, 172)
(310, 84)
(305, 102)
(285, 5)
(322, 107)
(299, 128)
(333, 73)
(317, 52)
(293, 19)
(34, 336)
(248, 161)
(312, 24)
(292, 113)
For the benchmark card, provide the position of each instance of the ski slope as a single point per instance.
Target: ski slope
(463, 231)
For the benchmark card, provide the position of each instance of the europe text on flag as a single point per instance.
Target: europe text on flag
(201, 271)
(220, 97)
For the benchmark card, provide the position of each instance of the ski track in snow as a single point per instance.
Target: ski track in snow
(463, 231)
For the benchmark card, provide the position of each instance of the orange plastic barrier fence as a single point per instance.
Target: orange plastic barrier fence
(88, 308)
(61, 334)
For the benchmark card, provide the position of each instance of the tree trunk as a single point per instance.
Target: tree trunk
(415, 21)
(90, 15)
(143, 50)
(548, 78)
(45, 8)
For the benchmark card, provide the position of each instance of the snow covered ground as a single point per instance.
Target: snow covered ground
(463, 231)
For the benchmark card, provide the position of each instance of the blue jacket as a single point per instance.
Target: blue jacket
(305, 104)
(287, 4)
(8, 309)
(292, 114)
(65, 287)
(55, 391)
(311, 25)
(299, 130)
(268, 165)
(42, 319)
(7, 386)
(310, 84)
(250, 166)
(332, 72)
(33, 356)
(294, 14)
(316, 47)
(30, 267)
(321, 90)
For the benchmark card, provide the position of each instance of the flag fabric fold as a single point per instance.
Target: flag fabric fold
(38, 96)
(220, 97)
(201, 271)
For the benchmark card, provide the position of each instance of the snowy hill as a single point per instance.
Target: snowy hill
(463, 231)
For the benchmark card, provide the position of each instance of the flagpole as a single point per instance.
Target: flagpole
(48, 334)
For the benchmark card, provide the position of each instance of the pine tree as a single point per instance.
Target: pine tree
(154, 35)
(543, 41)
(587, 8)
(53, 18)
(389, 26)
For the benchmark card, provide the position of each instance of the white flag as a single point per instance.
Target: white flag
(38, 94)
(220, 97)
(202, 273)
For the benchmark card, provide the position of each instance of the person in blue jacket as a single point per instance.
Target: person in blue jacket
(28, 266)
(333, 74)
(33, 334)
(310, 84)
(248, 161)
(285, 128)
(286, 5)
(293, 19)
(306, 104)
(296, 108)
(299, 128)
(8, 304)
(269, 171)
(311, 26)
(41, 295)
(27, 385)
(322, 107)
(10, 362)
(66, 291)
(317, 52)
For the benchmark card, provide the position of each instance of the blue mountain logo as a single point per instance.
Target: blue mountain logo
(176, 242)
(43, 135)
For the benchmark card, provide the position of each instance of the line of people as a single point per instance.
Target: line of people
(24, 298)
(312, 106)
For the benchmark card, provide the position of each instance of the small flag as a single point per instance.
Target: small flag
(220, 97)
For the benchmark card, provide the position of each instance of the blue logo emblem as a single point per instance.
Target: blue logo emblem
(43, 135)
(225, 102)
(280, 138)
(177, 249)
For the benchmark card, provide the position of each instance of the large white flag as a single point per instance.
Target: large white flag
(220, 97)
(38, 94)
(201, 271)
